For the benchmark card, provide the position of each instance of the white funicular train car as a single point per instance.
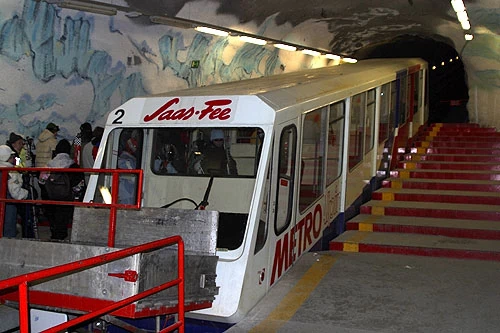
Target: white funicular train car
(298, 152)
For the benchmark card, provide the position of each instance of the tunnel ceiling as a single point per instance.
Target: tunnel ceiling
(349, 25)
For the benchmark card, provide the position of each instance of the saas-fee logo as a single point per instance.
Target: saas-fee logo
(215, 109)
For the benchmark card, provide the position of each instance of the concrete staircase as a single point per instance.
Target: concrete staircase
(442, 200)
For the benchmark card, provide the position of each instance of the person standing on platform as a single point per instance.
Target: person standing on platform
(63, 215)
(47, 142)
(81, 139)
(23, 160)
(15, 190)
(89, 151)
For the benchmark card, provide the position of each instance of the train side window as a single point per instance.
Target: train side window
(312, 159)
(129, 157)
(393, 107)
(335, 142)
(286, 177)
(356, 129)
(403, 106)
(385, 120)
(369, 120)
(264, 215)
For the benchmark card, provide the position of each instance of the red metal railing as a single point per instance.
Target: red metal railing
(113, 206)
(23, 281)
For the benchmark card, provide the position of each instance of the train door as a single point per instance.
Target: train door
(282, 213)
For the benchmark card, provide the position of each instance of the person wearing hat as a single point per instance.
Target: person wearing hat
(16, 143)
(15, 190)
(46, 146)
(216, 158)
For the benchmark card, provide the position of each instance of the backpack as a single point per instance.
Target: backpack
(58, 187)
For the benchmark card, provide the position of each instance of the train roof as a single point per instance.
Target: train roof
(361, 75)
(261, 100)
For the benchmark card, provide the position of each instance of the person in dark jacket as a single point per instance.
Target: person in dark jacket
(63, 213)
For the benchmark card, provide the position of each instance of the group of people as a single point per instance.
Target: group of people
(51, 153)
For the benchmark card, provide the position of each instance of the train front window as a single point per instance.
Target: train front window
(220, 152)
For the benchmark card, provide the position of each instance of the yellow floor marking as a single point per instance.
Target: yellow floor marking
(404, 174)
(425, 144)
(378, 210)
(352, 244)
(365, 227)
(410, 165)
(396, 184)
(295, 297)
(350, 247)
(421, 150)
(388, 196)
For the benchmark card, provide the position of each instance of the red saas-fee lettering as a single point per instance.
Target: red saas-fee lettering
(214, 111)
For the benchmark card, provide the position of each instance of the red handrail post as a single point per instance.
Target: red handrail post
(23, 307)
(113, 209)
(3, 195)
(180, 286)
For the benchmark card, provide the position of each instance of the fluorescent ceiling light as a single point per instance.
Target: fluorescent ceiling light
(87, 7)
(285, 47)
(311, 52)
(462, 16)
(253, 40)
(349, 60)
(458, 5)
(465, 25)
(212, 31)
(469, 37)
(171, 22)
(332, 56)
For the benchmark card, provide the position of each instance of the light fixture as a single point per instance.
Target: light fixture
(442, 63)
(171, 22)
(465, 25)
(433, 67)
(212, 31)
(458, 5)
(469, 37)
(349, 60)
(87, 7)
(285, 47)
(332, 56)
(253, 40)
(311, 52)
(451, 60)
(462, 16)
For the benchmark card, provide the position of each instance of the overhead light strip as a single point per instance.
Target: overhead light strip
(253, 40)
(91, 6)
(212, 31)
(463, 18)
(285, 47)
(88, 7)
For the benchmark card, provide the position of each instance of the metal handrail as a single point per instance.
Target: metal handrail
(23, 281)
(113, 206)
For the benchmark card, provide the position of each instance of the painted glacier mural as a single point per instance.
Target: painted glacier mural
(69, 67)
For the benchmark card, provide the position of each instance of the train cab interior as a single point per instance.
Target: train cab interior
(190, 168)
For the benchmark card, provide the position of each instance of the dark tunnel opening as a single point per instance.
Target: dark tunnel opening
(448, 90)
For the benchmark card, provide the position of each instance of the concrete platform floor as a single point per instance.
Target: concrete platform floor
(368, 292)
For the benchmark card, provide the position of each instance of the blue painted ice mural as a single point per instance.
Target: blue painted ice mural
(59, 75)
